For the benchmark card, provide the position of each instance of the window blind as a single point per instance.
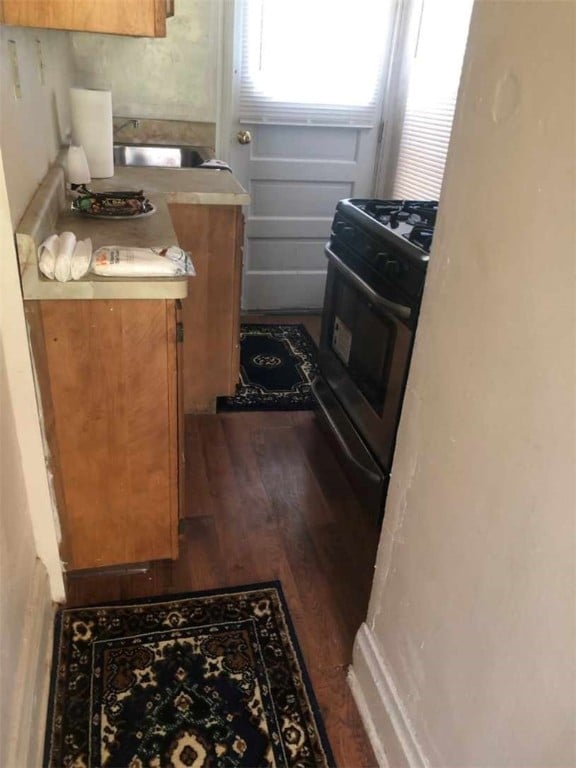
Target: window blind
(312, 62)
(431, 100)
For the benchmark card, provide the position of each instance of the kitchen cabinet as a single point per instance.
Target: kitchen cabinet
(211, 312)
(145, 18)
(114, 379)
(108, 378)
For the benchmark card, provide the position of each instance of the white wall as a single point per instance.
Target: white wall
(28, 532)
(31, 132)
(33, 127)
(467, 657)
(25, 605)
(17, 553)
(172, 78)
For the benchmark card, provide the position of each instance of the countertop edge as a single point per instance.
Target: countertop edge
(36, 287)
(208, 198)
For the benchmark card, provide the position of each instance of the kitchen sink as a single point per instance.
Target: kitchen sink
(160, 155)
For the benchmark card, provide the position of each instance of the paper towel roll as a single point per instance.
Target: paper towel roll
(91, 113)
(64, 257)
(47, 253)
(81, 258)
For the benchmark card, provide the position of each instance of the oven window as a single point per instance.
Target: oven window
(364, 342)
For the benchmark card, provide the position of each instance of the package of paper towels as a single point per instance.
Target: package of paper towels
(91, 113)
(116, 261)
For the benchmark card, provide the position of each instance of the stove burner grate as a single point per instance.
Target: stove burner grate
(392, 212)
(421, 235)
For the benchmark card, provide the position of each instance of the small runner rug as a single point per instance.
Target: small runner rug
(212, 679)
(277, 366)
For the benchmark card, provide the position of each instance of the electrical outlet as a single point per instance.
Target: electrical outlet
(40, 59)
(13, 56)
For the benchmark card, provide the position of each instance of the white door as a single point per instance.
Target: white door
(308, 90)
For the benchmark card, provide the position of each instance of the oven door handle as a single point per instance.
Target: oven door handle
(372, 476)
(398, 310)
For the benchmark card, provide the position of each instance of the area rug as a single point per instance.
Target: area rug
(277, 366)
(204, 680)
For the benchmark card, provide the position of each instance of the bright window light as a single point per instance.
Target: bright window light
(431, 99)
(324, 52)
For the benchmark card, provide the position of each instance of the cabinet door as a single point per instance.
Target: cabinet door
(112, 373)
(146, 18)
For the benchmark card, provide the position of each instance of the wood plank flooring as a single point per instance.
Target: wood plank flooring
(266, 499)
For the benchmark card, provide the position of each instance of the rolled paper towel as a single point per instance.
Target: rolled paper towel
(64, 256)
(47, 253)
(91, 113)
(81, 259)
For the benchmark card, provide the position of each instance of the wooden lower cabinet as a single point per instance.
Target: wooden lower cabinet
(108, 378)
(214, 236)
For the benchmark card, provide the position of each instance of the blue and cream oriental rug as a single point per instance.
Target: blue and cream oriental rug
(277, 366)
(208, 680)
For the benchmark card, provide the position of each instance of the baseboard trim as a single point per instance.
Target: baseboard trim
(32, 681)
(387, 725)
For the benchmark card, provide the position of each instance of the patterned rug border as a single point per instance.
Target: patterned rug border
(275, 584)
(224, 404)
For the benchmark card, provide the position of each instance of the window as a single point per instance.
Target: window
(313, 61)
(432, 91)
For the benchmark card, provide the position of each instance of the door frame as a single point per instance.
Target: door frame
(404, 30)
(227, 71)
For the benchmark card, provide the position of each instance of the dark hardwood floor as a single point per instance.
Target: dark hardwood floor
(266, 499)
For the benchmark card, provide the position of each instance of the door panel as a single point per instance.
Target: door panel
(298, 199)
(291, 142)
(269, 290)
(284, 254)
(295, 176)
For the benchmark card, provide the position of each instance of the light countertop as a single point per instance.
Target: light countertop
(195, 186)
(49, 212)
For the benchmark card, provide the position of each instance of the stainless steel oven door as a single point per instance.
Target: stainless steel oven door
(365, 348)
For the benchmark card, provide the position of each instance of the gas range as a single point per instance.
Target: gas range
(387, 242)
(377, 258)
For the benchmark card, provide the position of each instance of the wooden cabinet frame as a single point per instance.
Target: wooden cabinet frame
(143, 18)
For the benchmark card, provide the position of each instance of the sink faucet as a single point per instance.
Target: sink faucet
(133, 122)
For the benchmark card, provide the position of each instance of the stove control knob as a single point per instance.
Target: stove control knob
(347, 233)
(392, 268)
(341, 228)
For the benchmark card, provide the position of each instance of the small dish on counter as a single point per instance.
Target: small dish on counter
(116, 217)
(128, 204)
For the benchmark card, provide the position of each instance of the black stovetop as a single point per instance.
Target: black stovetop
(411, 220)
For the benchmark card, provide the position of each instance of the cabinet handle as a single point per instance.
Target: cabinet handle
(179, 333)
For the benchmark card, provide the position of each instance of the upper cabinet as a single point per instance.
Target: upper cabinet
(140, 18)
